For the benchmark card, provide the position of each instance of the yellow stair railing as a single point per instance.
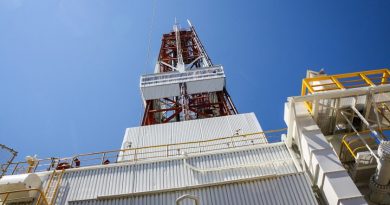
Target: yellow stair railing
(41, 198)
(6, 197)
(351, 144)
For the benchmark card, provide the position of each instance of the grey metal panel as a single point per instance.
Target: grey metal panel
(246, 124)
(192, 130)
(152, 176)
(289, 189)
(160, 91)
(198, 74)
(159, 85)
(209, 85)
(173, 89)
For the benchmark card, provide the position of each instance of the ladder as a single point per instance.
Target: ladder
(53, 185)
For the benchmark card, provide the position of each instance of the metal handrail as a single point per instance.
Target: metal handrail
(4, 167)
(358, 134)
(368, 131)
(158, 78)
(345, 142)
(149, 152)
(362, 147)
(338, 82)
(41, 197)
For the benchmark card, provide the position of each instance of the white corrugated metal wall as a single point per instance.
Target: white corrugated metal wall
(172, 174)
(192, 130)
(293, 189)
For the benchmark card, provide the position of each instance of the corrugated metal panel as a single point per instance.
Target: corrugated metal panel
(246, 124)
(134, 178)
(193, 130)
(289, 189)
(216, 127)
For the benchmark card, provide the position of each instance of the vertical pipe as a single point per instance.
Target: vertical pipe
(379, 182)
(383, 174)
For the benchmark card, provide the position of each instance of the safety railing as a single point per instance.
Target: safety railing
(343, 81)
(351, 144)
(33, 196)
(149, 152)
(196, 74)
(40, 165)
(7, 156)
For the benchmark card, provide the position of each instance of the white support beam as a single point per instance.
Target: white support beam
(318, 156)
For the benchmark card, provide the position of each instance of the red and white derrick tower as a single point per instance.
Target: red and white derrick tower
(185, 84)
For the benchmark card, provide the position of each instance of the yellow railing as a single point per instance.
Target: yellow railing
(351, 144)
(23, 195)
(343, 81)
(148, 152)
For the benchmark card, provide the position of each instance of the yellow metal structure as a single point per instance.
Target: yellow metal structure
(344, 81)
(150, 152)
(351, 144)
(8, 199)
(42, 198)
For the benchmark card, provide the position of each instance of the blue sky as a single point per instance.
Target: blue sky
(69, 69)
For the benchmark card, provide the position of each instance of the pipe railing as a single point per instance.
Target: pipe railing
(323, 83)
(146, 153)
(359, 135)
(38, 199)
(8, 160)
(378, 139)
(353, 138)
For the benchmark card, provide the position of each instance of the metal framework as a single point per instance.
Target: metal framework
(354, 109)
(7, 197)
(343, 81)
(351, 113)
(47, 197)
(352, 144)
(182, 50)
(8, 155)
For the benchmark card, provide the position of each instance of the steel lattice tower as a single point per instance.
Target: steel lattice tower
(185, 84)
